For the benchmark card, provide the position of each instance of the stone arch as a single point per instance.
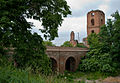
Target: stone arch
(54, 64)
(70, 64)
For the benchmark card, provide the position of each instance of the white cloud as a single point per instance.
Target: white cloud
(76, 24)
(78, 4)
(104, 7)
(36, 23)
(107, 1)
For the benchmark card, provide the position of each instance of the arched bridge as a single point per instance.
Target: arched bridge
(65, 58)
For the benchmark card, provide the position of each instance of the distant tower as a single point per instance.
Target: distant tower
(72, 36)
(72, 39)
(95, 19)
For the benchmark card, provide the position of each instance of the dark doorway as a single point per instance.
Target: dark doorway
(70, 64)
(53, 64)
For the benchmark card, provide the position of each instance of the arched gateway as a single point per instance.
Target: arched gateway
(65, 58)
(70, 64)
(54, 64)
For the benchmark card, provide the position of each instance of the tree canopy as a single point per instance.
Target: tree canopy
(15, 31)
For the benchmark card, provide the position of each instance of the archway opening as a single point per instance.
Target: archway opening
(53, 64)
(70, 64)
(92, 31)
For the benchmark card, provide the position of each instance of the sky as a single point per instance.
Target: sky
(77, 22)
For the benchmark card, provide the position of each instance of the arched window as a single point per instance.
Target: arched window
(92, 22)
(92, 14)
(92, 31)
(101, 21)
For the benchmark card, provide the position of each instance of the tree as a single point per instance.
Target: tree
(48, 43)
(110, 36)
(15, 31)
(67, 44)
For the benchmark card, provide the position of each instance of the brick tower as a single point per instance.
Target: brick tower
(72, 39)
(95, 19)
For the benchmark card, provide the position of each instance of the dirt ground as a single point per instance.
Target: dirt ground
(112, 80)
(106, 80)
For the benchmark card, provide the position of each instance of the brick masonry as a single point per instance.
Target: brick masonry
(62, 55)
(95, 19)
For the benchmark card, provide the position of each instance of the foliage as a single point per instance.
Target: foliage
(67, 44)
(13, 75)
(104, 54)
(15, 31)
(8, 75)
(81, 45)
(48, 43)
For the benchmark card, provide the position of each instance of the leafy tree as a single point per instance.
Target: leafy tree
(67, 44)
(48, 43)
(15, 31)
(110, 35)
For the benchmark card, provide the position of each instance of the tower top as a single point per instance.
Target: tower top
(72, 35)
(96, 11)
(95, 19)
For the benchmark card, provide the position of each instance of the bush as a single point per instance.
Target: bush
(97, 63)
(81, 45)
(67, 44)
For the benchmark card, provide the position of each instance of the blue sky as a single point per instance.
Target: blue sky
(78, 20)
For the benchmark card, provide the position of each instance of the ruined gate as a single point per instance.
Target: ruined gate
(65, 58)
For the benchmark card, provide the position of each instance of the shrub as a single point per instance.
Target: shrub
(94, 63)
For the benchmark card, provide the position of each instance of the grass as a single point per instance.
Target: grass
(85, 75)
(9, 75)
(13, 75)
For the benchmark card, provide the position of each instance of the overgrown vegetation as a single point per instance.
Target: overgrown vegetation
(13, 75)
(48, 43)
(28, 62)
(81, 45)
(15, 31)
(104, 54)
(68, 44)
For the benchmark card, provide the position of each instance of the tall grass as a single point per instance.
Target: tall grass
(13, 75)
(8, 75)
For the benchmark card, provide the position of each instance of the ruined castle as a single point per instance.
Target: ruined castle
(95, 19)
